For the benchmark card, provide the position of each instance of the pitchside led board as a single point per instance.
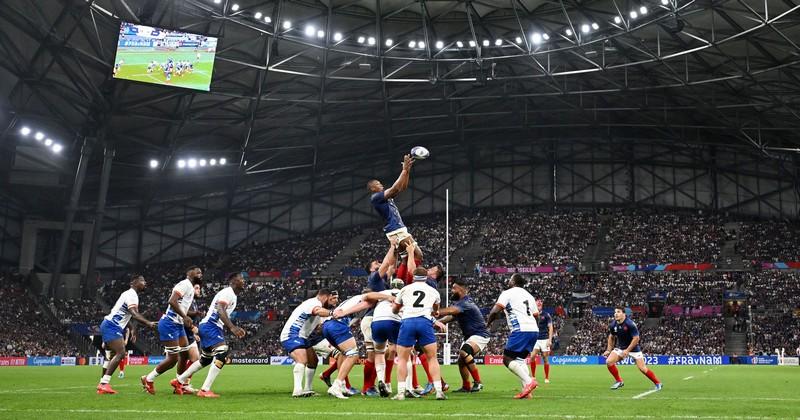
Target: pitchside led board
(165, 57)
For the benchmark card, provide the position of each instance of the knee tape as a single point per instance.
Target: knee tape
(219, 355)
(352, 352)
(369, 346)
(173, 349)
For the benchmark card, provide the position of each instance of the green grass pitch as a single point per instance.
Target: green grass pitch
(137, 59)
(264, 392)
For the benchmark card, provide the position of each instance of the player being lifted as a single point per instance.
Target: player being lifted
(294, 339)
(113, 329)
(520, 310)
(543, 343)
(420, 304)
(383, 202)
(212, 337)
(476, 335)
(623, 341)
(171, 329)
(337, 331)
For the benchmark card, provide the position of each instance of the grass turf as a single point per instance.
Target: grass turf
(136, 61)
(264, 392)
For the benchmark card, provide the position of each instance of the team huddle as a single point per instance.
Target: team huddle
(400, 312)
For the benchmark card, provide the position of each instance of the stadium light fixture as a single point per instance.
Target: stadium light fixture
(643, 10)
(595, 26)
(498, 42)
(267, 19)
(25, 131)
(585, 28)
(665, 2)
(217, 1)
(337, 36)
(536, 38)
(223, 161)
(361, 39)
(57, 148)
(472, 43)
(439, 45)
(634, 15)
(421, 44)
(235, 7)
(320, 34)
(287, 24)
(518, 40)
(389, 42)
(258, 15)
(459, 44)
(412, 44)
(371, 40)
(545, 37)
(181, 163)
(212, 162)
(201, 162)
(485, 43)
(48, 142)
(192, 163)
(568, 32)
(310, 30)
(153, 163)
(617, 20)
(39, 136)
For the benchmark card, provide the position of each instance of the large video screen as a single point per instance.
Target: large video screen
(165, 57)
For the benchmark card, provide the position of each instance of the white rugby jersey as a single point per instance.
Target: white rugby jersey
(226, 295)
(520, 308)
(349, 303)
(383, 310)
(120, 314)
(184, 289)
(417, 299)
(301, 322)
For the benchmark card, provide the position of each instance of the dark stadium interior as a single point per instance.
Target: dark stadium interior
(650, 162)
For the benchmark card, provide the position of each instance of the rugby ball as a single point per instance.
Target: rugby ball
(419, 152)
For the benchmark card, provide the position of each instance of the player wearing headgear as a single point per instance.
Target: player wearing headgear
(543, 342)
(171, 329)
(623, 341)
(294, 338)
(113, 326)
(337, 331)
(473, 328)
(212, 337)
(380, 273)
(420, 304)
(521, 311)
(385, 329)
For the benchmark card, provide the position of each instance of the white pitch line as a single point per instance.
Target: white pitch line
(644, 394)
(687, 378)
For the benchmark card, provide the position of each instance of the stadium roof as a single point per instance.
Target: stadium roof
(283, 103)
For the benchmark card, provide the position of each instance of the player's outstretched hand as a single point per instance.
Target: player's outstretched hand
(606, 353)
(239, 332)
(439, 326)
(408, 161)
(337, 314)
(153, 325)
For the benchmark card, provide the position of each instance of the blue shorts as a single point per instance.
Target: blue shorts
(294, 343)
(521, 341)
(336, 332)
(418, 330)
(111, 331)
(168, 330)
(315, 339)
(189, 334)
(385, 330)
(210, 334)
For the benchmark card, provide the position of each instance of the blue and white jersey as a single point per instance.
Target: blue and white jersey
(520, 308)
(184, 289)
(624, 332)
(120, 314)
(388, 211)
(302, 321)
(383, 309)
(349, 303)
(227, 296)
(417, 300)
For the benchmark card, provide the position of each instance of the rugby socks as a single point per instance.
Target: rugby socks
(389, 366)
(473, 370)
(298, 371)
(184, 377)
(652, 376)
(380, 370)
(212, 375)
(329, 371)
(152, 376)
(309, 378)
(401, 387)
(347, 382)
(105, 379)
(533, 366)
(411, 380)
(614, 372)
(369, 375)
(437, 385)
(547, 370)
(465, 383)
(189, 363)
(122, 364)
(520, 369)
(423, 360)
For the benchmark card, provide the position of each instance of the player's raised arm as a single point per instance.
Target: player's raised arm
(494, 313)
(401, 183)
(389, 259)
(322, 312)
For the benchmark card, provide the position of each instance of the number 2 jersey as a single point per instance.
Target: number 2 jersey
(520, 308)
(417, 300)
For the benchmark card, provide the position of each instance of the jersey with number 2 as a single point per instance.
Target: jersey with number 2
(417, 300)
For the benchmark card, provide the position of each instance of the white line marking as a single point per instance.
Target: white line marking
(359, 413)
(644, 394)
(687, 378)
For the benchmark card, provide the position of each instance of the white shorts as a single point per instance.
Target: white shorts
(542, 346)
(323, 349)
(366, 328)
(479, 341)
(401, 234)
(635, 354)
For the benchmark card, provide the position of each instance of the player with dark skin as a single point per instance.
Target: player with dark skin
(117, 346)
